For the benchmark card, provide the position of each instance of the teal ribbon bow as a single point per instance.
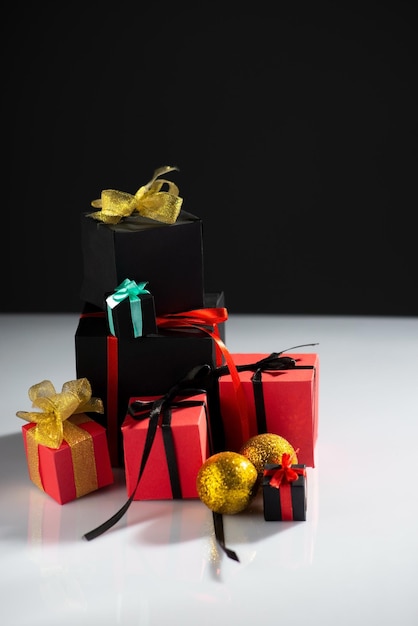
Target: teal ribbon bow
(128, 289)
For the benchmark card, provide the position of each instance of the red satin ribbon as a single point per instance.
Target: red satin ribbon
(112, 424)
(201, 319)
(281, 478)
(112, 397)
(197, 318)
(95, 314)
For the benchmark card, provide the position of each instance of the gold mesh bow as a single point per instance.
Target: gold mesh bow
(149, 201)
(52, 424)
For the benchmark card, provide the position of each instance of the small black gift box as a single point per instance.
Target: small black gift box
(284, 492)
(130, 311)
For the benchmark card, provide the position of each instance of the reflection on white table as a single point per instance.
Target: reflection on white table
(354, 560)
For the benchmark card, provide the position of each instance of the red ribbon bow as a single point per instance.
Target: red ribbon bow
(202, 319)
(198, 318)
(286, 473)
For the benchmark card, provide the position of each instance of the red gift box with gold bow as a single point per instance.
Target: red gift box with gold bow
(66, 451)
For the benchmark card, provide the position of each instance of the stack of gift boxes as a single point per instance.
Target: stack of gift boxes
(151, 340)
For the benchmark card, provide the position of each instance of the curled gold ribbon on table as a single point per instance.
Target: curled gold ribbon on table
(149, 201)
(52, 425)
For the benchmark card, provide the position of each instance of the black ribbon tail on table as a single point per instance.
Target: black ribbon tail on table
(92, 534)
(153, 409)
(152, 429)
(218, 523)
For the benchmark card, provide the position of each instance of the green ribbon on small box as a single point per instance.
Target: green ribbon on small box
(132, 290)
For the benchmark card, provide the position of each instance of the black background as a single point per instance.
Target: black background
(294, 127)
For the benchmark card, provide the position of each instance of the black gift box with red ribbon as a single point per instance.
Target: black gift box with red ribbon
(119, 369)
(284, 492)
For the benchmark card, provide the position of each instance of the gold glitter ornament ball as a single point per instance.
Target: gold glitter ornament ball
(225, 482)
(267, 448)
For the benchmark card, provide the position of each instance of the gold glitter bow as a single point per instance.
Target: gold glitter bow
(149, 201)
(52, 425)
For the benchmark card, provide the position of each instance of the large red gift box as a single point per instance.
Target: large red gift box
(290, 399)
(74, 469)
(189, 426)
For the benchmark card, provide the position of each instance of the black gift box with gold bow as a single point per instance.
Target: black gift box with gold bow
(169, 257)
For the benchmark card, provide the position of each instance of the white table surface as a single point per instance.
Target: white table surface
(353, 561)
